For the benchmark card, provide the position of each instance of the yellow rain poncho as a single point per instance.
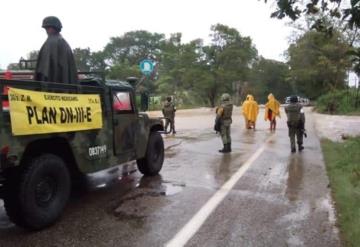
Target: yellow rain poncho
(250, 109)
(272, 105)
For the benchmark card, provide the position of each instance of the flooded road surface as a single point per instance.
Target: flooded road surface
(259, 195)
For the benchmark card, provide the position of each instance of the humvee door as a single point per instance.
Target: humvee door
(125, 121)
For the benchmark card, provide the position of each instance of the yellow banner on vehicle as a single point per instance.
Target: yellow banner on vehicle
(34, 112)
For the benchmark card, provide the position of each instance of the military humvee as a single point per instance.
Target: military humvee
(42, 153)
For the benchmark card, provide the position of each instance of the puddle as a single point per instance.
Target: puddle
(196, 137)
(156, 186)
(173, 145)
(145, 201)
(295, 177)
(170, 154)
(171, 189)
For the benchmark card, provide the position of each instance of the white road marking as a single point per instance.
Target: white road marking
(186, 233)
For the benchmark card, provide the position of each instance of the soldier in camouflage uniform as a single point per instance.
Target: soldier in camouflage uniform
(223, 116)
(296, 121)
(169, 110)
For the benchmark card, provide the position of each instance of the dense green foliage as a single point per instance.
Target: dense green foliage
(348, 11)
(343, 167)
(269, 76)
(196, 74)
(340, 102)
(318, 63)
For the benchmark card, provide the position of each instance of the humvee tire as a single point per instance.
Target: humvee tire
(152, 163)
(42, 193)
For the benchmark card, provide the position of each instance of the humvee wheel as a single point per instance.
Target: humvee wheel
(41, 194)
(152, 163)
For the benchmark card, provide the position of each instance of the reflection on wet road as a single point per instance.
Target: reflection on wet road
(281, 200)
(295, 177)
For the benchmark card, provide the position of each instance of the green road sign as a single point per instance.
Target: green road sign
(147, 67)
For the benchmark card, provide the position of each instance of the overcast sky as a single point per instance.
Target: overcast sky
(90, 23)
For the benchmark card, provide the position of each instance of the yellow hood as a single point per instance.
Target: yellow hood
(250, 108)
(274, 106)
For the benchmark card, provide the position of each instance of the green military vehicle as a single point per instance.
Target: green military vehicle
(53, 134)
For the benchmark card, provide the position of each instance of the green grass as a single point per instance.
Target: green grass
(343, 168)
(343, 102)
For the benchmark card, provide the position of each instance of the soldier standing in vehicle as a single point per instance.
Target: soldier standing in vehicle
(295, 122)
(56, 61)
(169, 110)
(223, 117)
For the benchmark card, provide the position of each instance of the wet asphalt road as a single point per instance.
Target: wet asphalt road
(282, 199)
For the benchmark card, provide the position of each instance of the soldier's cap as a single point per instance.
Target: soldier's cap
(52, 21)
(225, 97)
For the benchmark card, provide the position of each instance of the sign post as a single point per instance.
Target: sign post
(147, 67)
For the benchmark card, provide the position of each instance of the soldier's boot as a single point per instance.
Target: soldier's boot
(223, 150)
(293, 149)
(227, 148)
(301, 147)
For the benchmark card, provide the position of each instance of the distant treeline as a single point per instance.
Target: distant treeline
(197, 73)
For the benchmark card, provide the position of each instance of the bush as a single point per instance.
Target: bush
(340, 102)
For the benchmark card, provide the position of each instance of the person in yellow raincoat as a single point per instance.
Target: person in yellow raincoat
(250, 110)
(272, 110)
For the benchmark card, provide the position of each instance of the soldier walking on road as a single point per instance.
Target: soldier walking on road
(169, 110)
(295, 122)
(56, 61)
(224, 120)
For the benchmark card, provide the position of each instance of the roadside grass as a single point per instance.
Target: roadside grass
(340, 102)
(343, 168)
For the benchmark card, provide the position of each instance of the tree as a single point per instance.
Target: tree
(318, 63)
(29, 63)
(123, 54)
(88, 61)
(123, 70)
(82, 59)
(327, 16)
(13, 66)
(270, 76)
(336, 9)
(177, 63)
(228, 58)
(133, 47)
(98, 61)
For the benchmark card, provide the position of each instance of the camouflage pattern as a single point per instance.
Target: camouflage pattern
(168, 111)
(86, 151)
(224, 115)
(225, 133)
(295, 122)
(299, 137)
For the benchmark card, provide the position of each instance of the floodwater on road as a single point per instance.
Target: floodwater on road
(280, 199)
(335, 127)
